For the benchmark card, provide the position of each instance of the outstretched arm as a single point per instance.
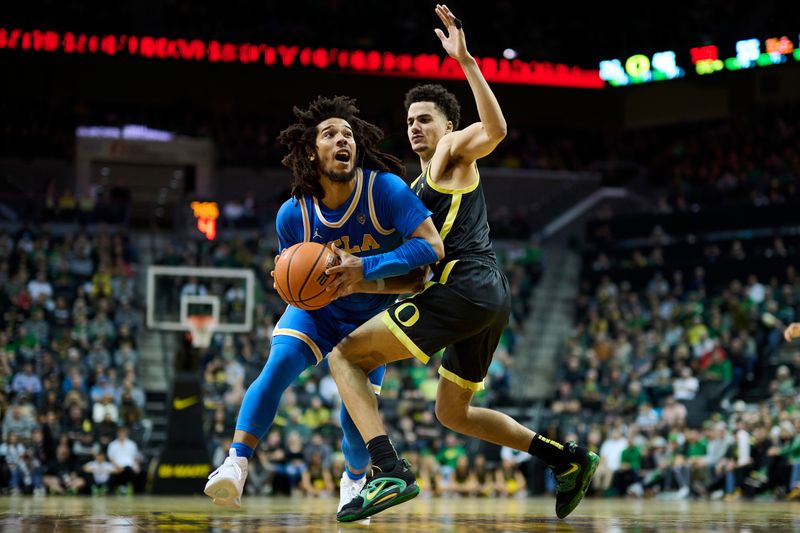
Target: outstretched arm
(410, 283)
(422, 248)
(479, 139)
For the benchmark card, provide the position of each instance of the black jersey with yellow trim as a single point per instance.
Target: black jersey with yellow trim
(460, 217)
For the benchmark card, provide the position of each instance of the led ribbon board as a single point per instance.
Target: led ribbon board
(371, 62)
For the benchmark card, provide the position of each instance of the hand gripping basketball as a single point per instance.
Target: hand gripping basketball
(300, 275)
(348, 272)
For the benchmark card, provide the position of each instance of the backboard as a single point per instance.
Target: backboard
(175, 293)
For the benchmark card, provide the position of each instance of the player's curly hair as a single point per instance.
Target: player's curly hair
(441, 97)
(300, 139)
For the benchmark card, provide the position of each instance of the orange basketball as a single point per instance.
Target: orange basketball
(300, 275)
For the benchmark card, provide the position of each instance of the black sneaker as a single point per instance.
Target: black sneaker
(381, 491)
(574, 479)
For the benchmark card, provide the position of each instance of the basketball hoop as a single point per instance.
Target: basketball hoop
(202, 329)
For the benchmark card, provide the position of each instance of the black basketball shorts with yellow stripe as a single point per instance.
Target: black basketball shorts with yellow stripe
(464, 308)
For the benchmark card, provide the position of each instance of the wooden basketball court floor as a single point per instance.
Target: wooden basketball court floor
(196, 513)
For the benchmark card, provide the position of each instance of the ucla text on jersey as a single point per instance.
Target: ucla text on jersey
(381, 212)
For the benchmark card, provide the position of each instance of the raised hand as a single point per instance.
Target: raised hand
(453, 43)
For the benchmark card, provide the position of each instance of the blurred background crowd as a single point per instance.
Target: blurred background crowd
(73, 408)
(673, 368)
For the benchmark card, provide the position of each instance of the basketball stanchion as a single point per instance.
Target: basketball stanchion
(201, 302)
(184, 463)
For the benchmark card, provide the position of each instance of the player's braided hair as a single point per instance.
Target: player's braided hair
(301, 137)
(441, 97)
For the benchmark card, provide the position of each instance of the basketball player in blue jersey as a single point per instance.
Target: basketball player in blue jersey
(464, 307)
(373, 215)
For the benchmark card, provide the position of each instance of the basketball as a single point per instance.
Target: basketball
(300, 275)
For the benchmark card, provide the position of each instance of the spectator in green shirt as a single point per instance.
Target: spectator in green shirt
(696, 455)
(720, 369)
(719, 373)
(628, 472)
(792, 454)
(449, 453)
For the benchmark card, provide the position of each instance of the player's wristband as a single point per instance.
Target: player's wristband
(413, 253)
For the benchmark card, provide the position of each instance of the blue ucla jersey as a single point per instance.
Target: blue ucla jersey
(381, 212)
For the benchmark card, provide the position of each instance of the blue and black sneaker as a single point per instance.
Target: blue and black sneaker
(381, 491)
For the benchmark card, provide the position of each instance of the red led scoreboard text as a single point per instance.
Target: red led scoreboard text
(281, 56)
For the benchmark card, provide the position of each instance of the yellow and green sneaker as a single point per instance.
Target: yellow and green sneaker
(573, 480)
(381, 491)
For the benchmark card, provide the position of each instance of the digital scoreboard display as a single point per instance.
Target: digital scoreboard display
(206, 214)
(747, 53)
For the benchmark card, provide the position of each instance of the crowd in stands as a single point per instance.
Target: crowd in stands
(636, 366)
(103, 201)
(677, 372)
(71, 406)
(643, 363)
(747, 159)
(685, 393)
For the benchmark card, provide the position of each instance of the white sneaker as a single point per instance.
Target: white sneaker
(226, 483)
(349, 489)
(636, 490)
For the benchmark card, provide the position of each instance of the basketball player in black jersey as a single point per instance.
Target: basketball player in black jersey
(464, 307)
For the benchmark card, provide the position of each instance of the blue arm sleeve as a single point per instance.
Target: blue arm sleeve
(413, 253)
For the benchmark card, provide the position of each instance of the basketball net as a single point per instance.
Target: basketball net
(202, 329)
